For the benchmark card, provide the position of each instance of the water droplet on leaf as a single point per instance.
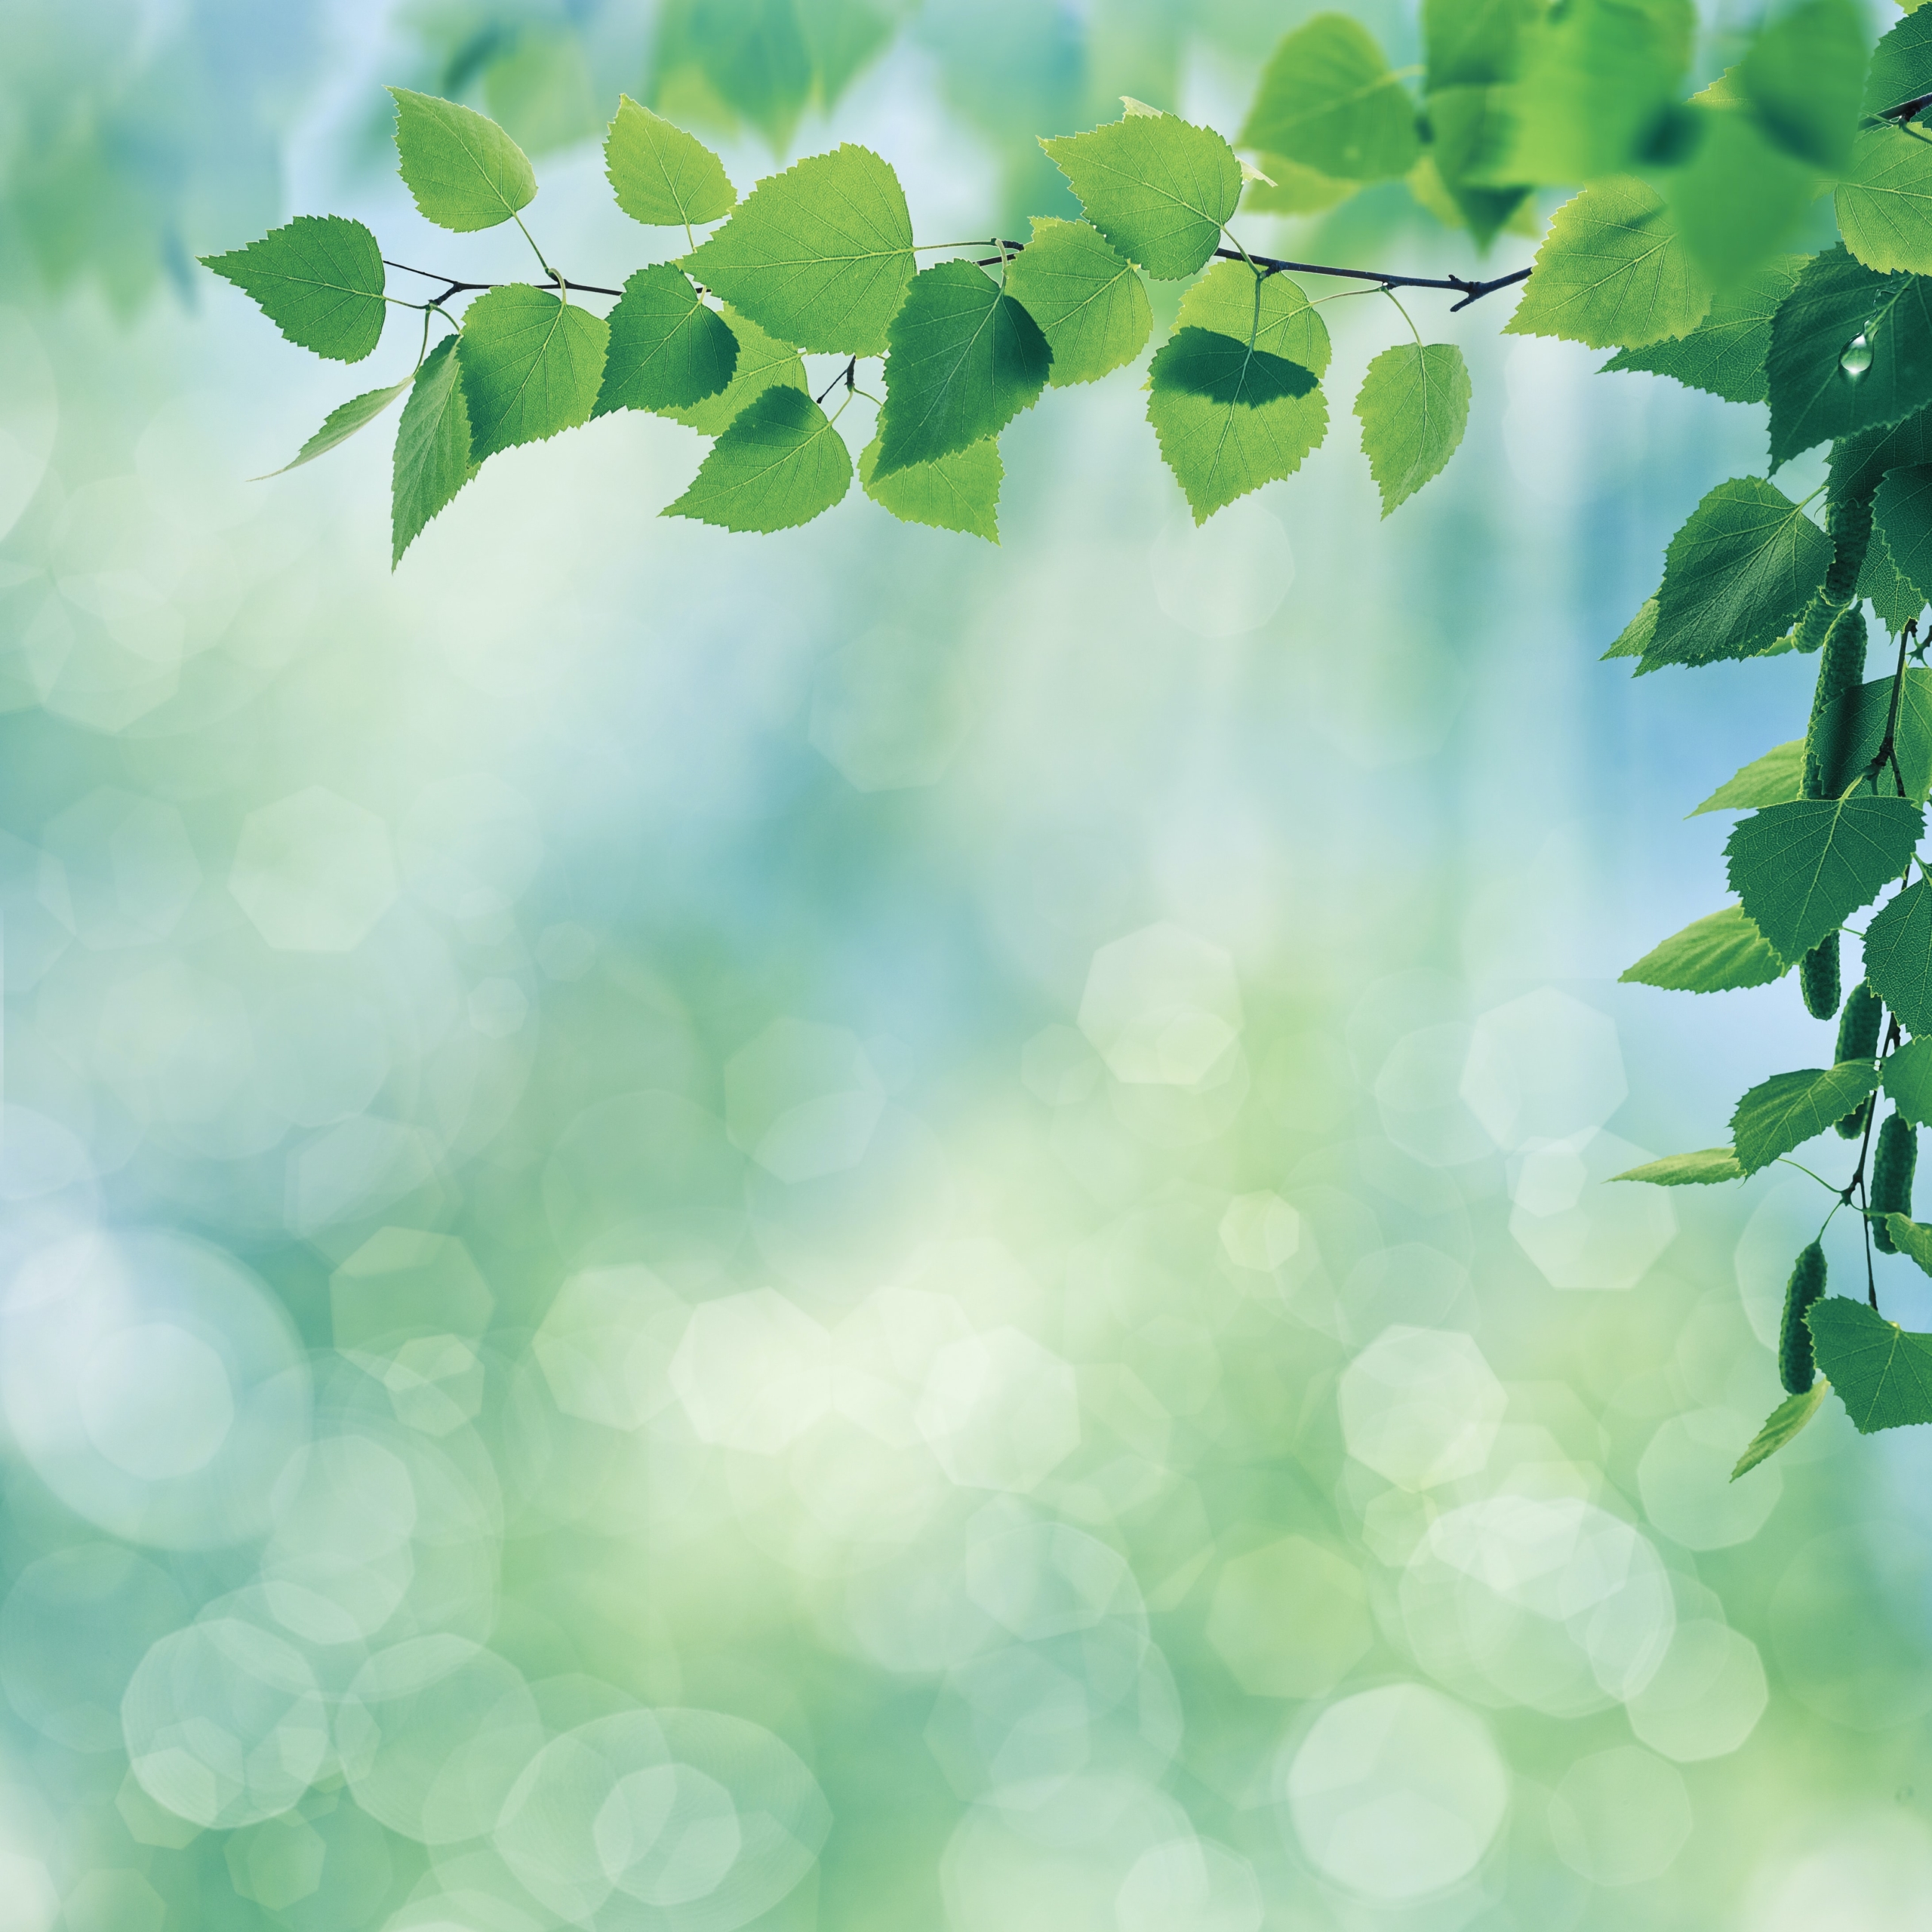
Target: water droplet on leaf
(1857, 356)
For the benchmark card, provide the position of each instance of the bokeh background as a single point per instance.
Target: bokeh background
(850, 1230)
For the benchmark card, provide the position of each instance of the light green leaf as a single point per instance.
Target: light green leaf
(463, 170)
(1803, 77)
(1802, 869)
(531, 366)
(662, 176)
(1738, 198)
(1698, 1170)
(1469, 127)
(966, 359)
(1775, 779)
(1414, 405)
(1898, 957)
(1812, 396)
(1790, 1108)
(1612, 272)
(1158, 188)
(820, 256)
(1634, 637)
(958, 492)
(1724, 353)
(1225, 368)
(1853, 728)
(1089, 302)
(1883, 1375)
(1473, 43)
(667, 350)
(1783, 1422)
(780, 463)
(1896, 599)
(1901, 67)
(1884, 202)
(1719, 953)
(342, 422)
(1218, 451)
(1329, 100)
(1909, 1237)
(1908, 1077)
(1736, 575)
(432, 459)
(319, 279)
(762, 363)
(1292, 188)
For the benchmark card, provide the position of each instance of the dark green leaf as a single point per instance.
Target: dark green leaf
(1898, 957)
(820, 256)
(1901, 67)
(1882, 1374)
(1224, 368)
(1725, 353)
(781, 463)
(1804, 76)
(1783, 1422)
(432, 459)
(342, 422)
(1329, 100)
(1089, 302)
(1790, 1108)
(1902, 512)
(1719, 953)
(1158, 188)
(667, 350)
(1736, 575)
(1812, 396)
(1909, 1238)
(1802, 869)
(1896, 599)
(1472, 43)
(662, 176)
(1884, 203)
(1773, 780)
(319, 279)
(1469, 126)
(1908, 1076)
(1698, 1170)
(1854, 728)
(958, 492)
(1612, 272)
(762, 363)
(1413, 405)
(463, 170)
(531, 367)
(966, 359)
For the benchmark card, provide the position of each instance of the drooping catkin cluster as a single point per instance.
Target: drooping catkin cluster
(1892, 1167)
(1796, 1366)
(1858, 1039)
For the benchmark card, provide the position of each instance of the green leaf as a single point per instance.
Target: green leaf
(1698, 1170)
(432, 460)
(1790, 1108)
(1883, 1375)
(1612, 272)
(1902, 512)
(662, 176)
(1469, 127)
(1812, 396)
(1775, 779)
(1472, 43)
(667, 350)
(1736, 575)
(1158, 188)
(1724, 354)
(342, 422)
(531, 366)
(463, 170)
(1634, 637)
(319, 279)
(1414, 405)
(1089, 302)
(1738, 198)
(1802, 869)
(1225, 368)
(1290, 188)
(1858, 463)
(1896, 599)
(762, 363)
(958, 492)
(1719, 953)
(1853, 728)
(1901, 67)
(780, 463)
(1803, 77)
(1909, 1238)
(1898, 957)
(1907, 1070)
(1884, 202)
(1329, 100)
(966, 360)
(1783, 1422)
(820, 256)
(1218, 450)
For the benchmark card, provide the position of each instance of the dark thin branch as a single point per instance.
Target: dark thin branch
(849, 376)
(454, 287)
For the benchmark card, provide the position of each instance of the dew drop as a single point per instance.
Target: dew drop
(1857, 356)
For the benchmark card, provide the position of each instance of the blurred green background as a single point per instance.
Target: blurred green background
(848, 1229)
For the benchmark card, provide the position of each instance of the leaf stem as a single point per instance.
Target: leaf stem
(1406, 316)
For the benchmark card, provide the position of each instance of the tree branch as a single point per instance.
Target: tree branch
(455, 288)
